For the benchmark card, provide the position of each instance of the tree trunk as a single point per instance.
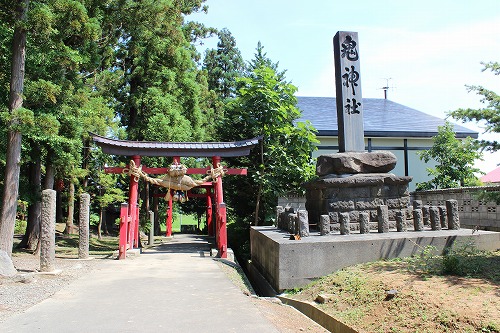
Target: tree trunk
(71, 208)
(13, 154)
(85, 163)
(59, 206)
(102, 215)
(30, 238)
(49, 171)
(105, 222)
(259, 192)
(257, 205)
(132, 120)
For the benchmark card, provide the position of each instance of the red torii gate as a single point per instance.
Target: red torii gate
(129, 214)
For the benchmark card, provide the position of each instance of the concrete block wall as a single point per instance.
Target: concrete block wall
(293, 200)
(474, 213)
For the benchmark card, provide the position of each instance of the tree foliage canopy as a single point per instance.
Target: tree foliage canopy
(130, 69)
(265, 105)
(455, 160)
(224, 65)
(489, 116)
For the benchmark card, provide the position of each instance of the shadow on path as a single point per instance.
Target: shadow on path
(183, 243)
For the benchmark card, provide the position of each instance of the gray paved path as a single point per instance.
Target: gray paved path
(174, 287)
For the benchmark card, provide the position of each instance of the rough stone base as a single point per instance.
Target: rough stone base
(288, 264)
(354, 227)
(355, 194)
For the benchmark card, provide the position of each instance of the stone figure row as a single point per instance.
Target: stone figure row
(437, 217)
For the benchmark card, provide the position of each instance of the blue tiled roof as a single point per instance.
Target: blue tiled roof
(382, 118)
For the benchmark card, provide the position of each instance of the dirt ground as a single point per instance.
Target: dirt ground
(286, 318)
(386, 297)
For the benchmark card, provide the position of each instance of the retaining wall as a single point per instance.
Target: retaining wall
(287, 264)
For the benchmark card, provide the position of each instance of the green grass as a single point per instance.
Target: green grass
(186, 220)
(68, 245)
(462, 259)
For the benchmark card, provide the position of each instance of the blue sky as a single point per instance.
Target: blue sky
(429, 49)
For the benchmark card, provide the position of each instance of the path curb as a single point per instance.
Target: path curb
(319, 316)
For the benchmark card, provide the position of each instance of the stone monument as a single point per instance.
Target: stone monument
(354, 181)
(354, 189)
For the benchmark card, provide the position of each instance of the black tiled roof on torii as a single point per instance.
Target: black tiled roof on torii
(181, 149)
(382, 118)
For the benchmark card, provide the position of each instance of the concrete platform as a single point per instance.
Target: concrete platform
(288, 264)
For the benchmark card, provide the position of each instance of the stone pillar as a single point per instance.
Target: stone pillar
(6, 266)
(151, 238)
(291, 223)
(83, 245)
(383, 218)
(443, 217)
(345, 225)
(452, 212)
(279, 211)
(348, 91)
(364, 222)
(418, 220)
(48, 231)
(434, 217)
(400, 221)
(324, 225)
(303, 221)
(417, 204)
(425, 215)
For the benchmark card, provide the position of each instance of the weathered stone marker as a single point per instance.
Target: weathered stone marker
(418, 220)
(417, 204)
(400, 221)
(345, 225)
(324, 225)
(383, 218)
(151, 238)
(48, 231)
(83, 244)
(6, 266)
(453, 217)
(426, 215)
(348, 92)
(443, 217)
(364, 223)
(292, 223)
(303, 221)
(279, 211)
(435, 218)
(353, 180)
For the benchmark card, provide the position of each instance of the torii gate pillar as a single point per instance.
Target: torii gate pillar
(210, 225)
(220, 209)
(133, 208)
(170, 211)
